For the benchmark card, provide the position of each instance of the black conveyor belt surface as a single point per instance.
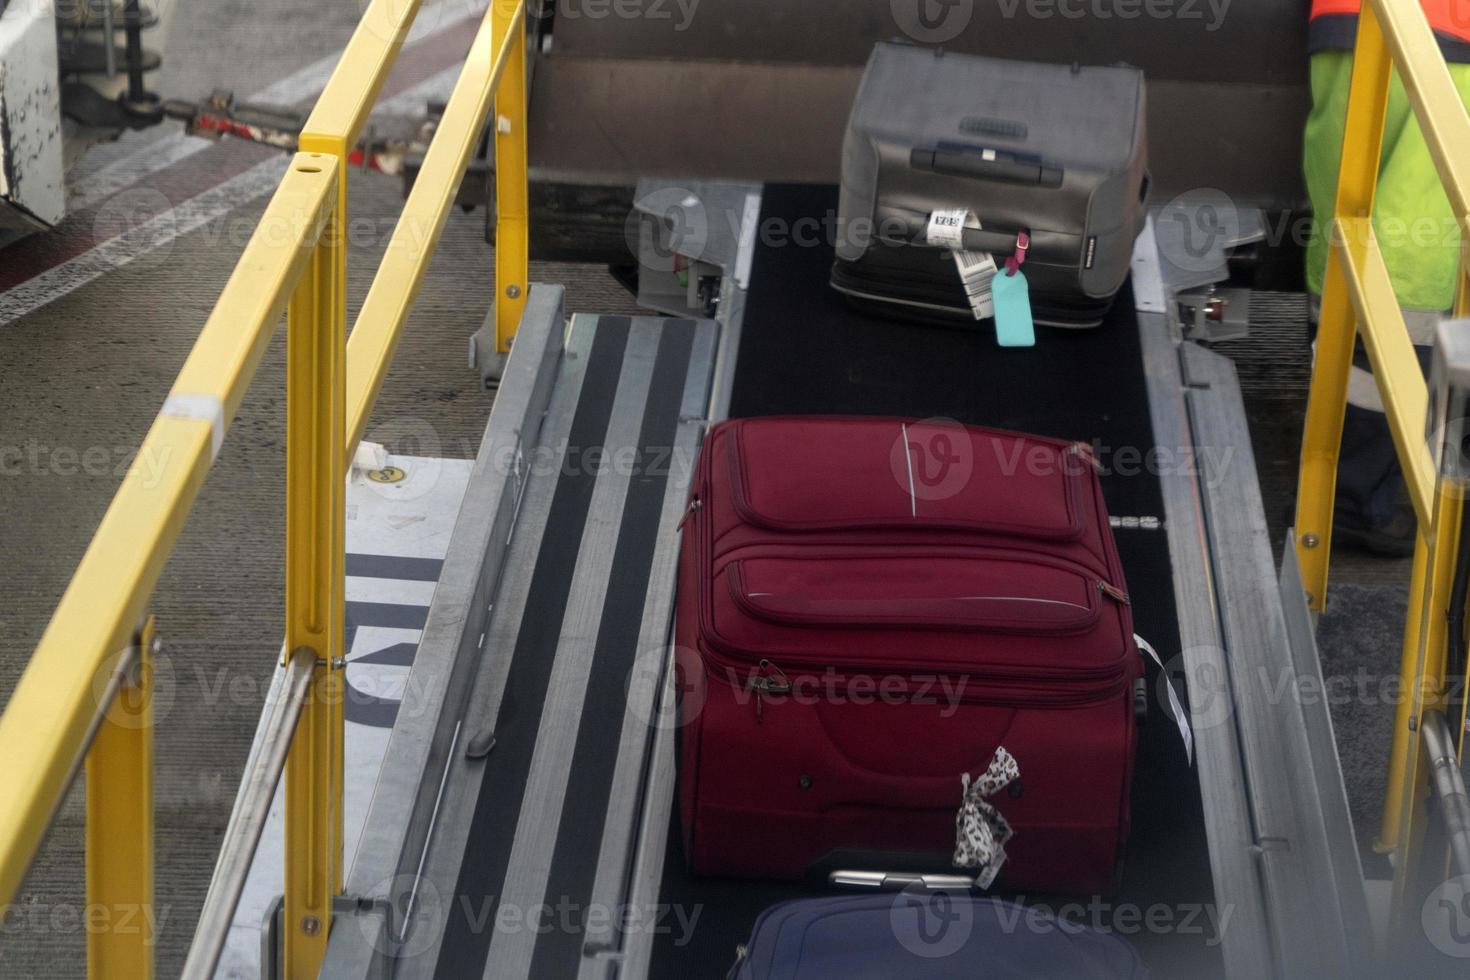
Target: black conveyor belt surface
(805, 351)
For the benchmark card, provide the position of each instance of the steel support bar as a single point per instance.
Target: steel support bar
(1362, 147)
(1448, 784)
(343, 108)
(315, 501)
(47, 722)
(1396, 368)
(247, 822)
(511, 228)
(380, 322)
(119, 835)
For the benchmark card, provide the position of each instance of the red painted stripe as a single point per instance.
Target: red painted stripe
(85, 230)
(81, 231)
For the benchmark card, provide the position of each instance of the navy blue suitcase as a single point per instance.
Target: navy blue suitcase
(927, 936)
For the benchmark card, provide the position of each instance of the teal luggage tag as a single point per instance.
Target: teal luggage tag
(1012, 299)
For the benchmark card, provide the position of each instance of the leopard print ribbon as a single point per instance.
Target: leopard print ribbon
(980, 831)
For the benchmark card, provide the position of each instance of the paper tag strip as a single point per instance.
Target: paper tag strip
(977, 269)
(947, 228)
(980, 831)
(1180, 718)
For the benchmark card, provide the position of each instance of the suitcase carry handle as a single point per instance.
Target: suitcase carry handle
(984, 163)
(899, 880)
(904, 227)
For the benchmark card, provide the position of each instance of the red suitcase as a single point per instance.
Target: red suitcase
(868, 608)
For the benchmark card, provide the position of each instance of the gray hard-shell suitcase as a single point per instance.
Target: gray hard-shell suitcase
(1058, 151)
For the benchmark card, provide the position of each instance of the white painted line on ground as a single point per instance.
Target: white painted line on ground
(289, 92)
(411, 101)
(163, 228)
(149, 236)
(86, 190)
(300, 85)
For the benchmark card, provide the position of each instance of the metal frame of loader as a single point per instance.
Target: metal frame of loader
(1282, 850)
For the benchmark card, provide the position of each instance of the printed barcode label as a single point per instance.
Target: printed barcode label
(946, 228)
(977, 271)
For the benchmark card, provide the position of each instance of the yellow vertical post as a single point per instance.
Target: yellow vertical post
(1362, 148)
(512, 242)
(119, 836)
(315, 498)
(1462, 311)
(1388, 833)
(334, 241)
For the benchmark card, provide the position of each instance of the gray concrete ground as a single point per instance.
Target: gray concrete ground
(89, 371)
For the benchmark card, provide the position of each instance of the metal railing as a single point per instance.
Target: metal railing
(86, 692)
(1358, 301)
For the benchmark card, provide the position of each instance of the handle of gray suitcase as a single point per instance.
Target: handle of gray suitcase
(904, 227)
(984, 163)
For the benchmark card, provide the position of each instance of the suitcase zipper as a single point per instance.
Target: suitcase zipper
(997, 691)
(694, 504)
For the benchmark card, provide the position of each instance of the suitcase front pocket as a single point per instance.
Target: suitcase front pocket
(925, 593)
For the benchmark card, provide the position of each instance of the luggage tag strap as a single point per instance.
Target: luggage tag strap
(1018, 257)
(981, 832)
(1186, 732)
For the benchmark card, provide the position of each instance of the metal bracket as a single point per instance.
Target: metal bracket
(1214, 314)
(374, 916)
(1449, 400)
(1194, 233)
(1449, 786)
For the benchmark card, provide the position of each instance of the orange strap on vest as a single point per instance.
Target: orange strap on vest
(1447, 17)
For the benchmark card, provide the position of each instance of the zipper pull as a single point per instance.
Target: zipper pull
(761, 684)
(741, 952)
(1112, 591)
(1083, 450)
(694, 504)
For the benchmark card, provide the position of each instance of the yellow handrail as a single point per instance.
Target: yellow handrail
(1358, 300)
(295, 263)
(378, 326)
(48, 717)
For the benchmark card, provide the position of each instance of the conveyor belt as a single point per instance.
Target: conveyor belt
(544, 818)
(805, 351)
(521, 821)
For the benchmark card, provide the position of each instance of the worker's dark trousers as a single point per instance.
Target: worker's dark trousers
(1369, 481)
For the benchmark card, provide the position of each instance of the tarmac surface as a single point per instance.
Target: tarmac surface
(82, 377)
(83, 374)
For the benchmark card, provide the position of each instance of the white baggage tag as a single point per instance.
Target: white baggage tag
(1180, 718)
(977, 271)
(947, 228)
